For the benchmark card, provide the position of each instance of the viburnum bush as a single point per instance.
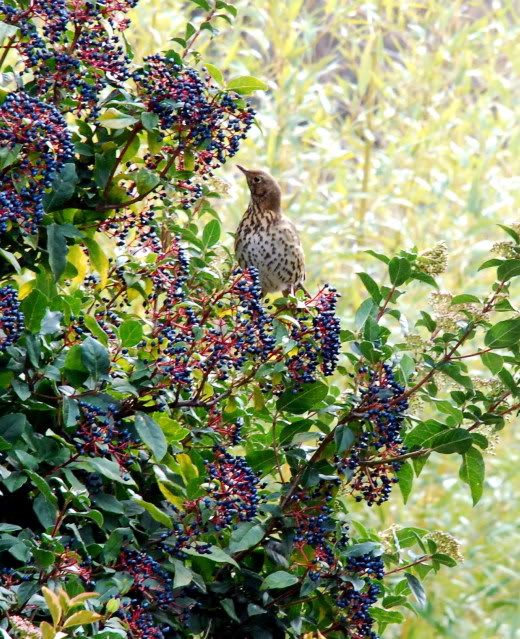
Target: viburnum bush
(179, 457)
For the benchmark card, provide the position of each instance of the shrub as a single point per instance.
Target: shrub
(179, 458)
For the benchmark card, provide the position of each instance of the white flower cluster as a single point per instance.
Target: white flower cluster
(24, 629)
(434, 261)
(504, 249)
(446, 544)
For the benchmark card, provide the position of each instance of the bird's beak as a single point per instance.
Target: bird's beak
(241, 168)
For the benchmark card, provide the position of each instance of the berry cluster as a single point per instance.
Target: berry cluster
(150, 579)
(36, 143)
(382, 406)
(367, 566)
(111, 10)
(185, 533)
(11, 318)
(327, 329)
(133, 230)
(356, 620)
(316, 337)
(206, 124)
(76, 62)
(141, 623)
(315, 527)
(233, 494)
(228, 431)
(101, 434)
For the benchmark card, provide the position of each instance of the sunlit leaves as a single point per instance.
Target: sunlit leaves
(504, 334)
(246, 84)
(300, 400)
(472, 472)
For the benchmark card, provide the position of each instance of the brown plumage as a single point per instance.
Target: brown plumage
(267, 239)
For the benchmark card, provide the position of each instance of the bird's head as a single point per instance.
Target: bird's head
(265, 192)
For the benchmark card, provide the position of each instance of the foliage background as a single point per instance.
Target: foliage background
(392, 124)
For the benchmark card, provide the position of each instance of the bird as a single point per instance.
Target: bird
(267, 240)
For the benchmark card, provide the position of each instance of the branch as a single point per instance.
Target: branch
(421, 560)
(137, 127)
(7, 48)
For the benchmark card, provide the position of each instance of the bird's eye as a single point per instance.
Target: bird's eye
(257, 179)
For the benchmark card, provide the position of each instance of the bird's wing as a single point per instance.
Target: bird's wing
(288, 231)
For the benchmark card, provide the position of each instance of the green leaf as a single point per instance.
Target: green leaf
(155, 512)
(508, 269)
(149, 120)
(305, 398)
(279, 579)
(356, 550)
(472, 471)
(365, 310)
(417, 588)
(509, 382)
(44, 558)
(405, 476)
(53, 604)
(114, 119)
(103, 167)
(229, 607)
(12, 426)
(386, 616)
(9, 257)
(98, 259)
(490, 264)
(57, 249)
(446, 407)
(511, 232)
(399, 269)
(453, 440)
(371, 286)
(62, 189)
(493, 362)
(151, 434)
(94, 357)
(424, 277)
(216, 554)
(215, 73)
(211, 233)
(146, 181)
(183, 575)
(455, 371)
(344, 438)
(131, 332)
(204, 4)
(380, 256)
(95, 329)
(82, 617)
(108, 468)
(43, 487)
(7, 31)
(504, 334)
(34, 307)
(246, 84)
(245, 536)
(464, 299)
(423, 432)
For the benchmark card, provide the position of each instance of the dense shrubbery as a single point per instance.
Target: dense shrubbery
(177, 457)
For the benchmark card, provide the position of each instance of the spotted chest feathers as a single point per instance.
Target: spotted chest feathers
(268, 241)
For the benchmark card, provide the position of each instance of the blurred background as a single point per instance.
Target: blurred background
(389, 125)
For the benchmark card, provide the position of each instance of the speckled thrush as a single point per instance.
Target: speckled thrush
(267, 240)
